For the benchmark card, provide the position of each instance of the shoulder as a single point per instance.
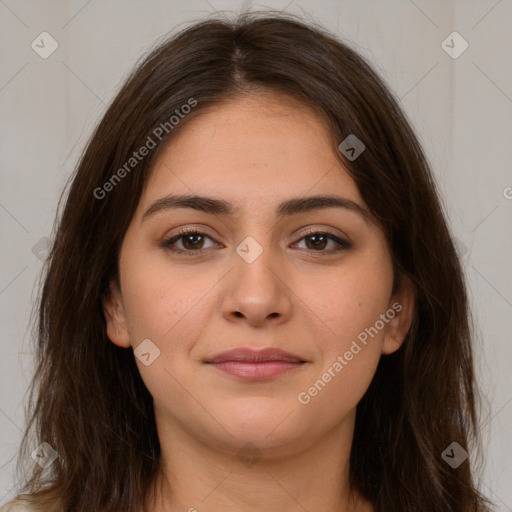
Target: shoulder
(17, 505)
(31, 503)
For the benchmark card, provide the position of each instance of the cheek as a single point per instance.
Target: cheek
(348, 305)
(169, 309)
(155, 295)
(349, 300)
(348, 356)
(160, 308)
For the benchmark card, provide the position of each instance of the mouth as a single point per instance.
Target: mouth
(249, 364)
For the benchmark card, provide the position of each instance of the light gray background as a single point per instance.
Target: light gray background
(461, 109)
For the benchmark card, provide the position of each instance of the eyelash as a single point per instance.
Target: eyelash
(167, 244)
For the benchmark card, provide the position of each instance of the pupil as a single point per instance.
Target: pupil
(191, 237)
(315, 237)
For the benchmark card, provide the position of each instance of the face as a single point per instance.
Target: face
(315, 283)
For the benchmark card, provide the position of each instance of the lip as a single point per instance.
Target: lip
(250, 364)
(255, 356)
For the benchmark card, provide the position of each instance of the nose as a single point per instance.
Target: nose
(256, 290)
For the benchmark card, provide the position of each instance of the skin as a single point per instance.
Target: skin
(254, 151)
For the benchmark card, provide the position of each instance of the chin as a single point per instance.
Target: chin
(263, 422)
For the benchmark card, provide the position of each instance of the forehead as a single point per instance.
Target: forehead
(251, 150)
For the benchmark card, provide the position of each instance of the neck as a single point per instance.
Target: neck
(197, 477)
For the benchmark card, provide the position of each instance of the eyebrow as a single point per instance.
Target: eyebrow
(289, 207)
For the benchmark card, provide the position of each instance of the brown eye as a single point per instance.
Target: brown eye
(318, 241)
(192, 242)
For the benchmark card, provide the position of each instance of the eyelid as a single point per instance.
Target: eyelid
(342, 241)
(169, 241)
(326, 231)
(308, 231)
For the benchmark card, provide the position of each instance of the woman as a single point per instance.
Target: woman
(253, 301)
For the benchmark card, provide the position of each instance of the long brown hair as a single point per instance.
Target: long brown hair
(87, 399)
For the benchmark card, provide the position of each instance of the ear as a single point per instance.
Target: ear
(115, 316)
(400, 313)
